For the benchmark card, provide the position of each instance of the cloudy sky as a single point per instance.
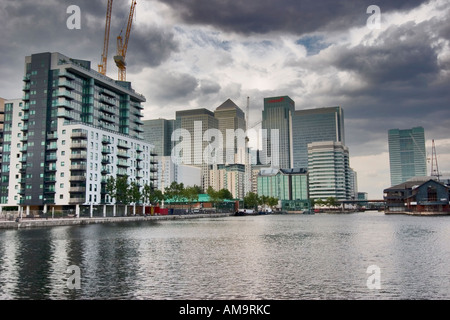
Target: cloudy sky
(198, 53)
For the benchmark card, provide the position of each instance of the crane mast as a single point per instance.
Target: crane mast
(122, 45)
(102, 67)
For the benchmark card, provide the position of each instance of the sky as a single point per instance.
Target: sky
(185, 54)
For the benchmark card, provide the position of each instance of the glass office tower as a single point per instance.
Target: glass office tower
(407, 154)
(277, 115)
(315, 125)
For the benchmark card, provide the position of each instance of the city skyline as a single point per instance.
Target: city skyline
(192, 55)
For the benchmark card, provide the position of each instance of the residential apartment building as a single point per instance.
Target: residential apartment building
(72, 130)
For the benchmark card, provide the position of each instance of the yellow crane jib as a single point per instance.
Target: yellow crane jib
(122, 45)
(102, 67)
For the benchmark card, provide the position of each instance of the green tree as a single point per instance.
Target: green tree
(122, 190)
(191, 195)
(332, 202)
(319, 202)
(110, 187)
(272, 202)
(174, 192)
(225, 194)
(214, 196)
(251, 201)
(135, 195)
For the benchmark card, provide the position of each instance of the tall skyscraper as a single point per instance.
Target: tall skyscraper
(159, 132)
(73, 129)
(194, 125)
(277, 115)
(407, 154)
(315, 125)
(329, 171)
(231, 117)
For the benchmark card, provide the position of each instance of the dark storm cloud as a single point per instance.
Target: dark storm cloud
(293, 16)
(403, 53)
(30, 27)
(150, 46)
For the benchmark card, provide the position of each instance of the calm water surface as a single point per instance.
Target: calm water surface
(261, 257)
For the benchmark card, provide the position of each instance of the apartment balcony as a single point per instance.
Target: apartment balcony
(79, 145)
(77, 190)
(67, 84)
(121, 163)
(52, 136)
(26, 97)
(105, 171)
(79, 178)
(77, 200)
(106, 141)
(24, 149)
(65, 94)
(107, 118)
(26, 77)
(107, 109)
(138, 121)
(49, 190)
(67, 75)
(25, 117)
(68, 115)
(24, 127)
(123, 144)
(79, 135)
(108, 100)
(153, 170)
(78, 167)
(122, 154)
(26, 106)
(106, 160)
(50, 179)
(122, 172)
(51, 158)
(106, 151)
(50, 168)
(78, 156)
(52, 146)
(26, 87)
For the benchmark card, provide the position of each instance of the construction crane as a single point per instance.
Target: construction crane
(103, 65)
(122, 45)
(434, 163)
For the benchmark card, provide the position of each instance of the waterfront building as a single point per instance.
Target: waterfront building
(159, 133)
(289, 186)
(353, 181)
(277, 115)
(2, 119)
(407, 154)
(169, 172)
(315, 125)
(231, 117)
(73, 129)
(418, 195)
(329, 171)
(284, 184)
(230, 177)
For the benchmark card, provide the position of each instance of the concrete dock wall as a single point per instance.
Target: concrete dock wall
(44, 223)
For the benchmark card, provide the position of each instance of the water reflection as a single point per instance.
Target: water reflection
(261, 257)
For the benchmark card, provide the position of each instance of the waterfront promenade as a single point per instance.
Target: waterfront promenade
(43, 223)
